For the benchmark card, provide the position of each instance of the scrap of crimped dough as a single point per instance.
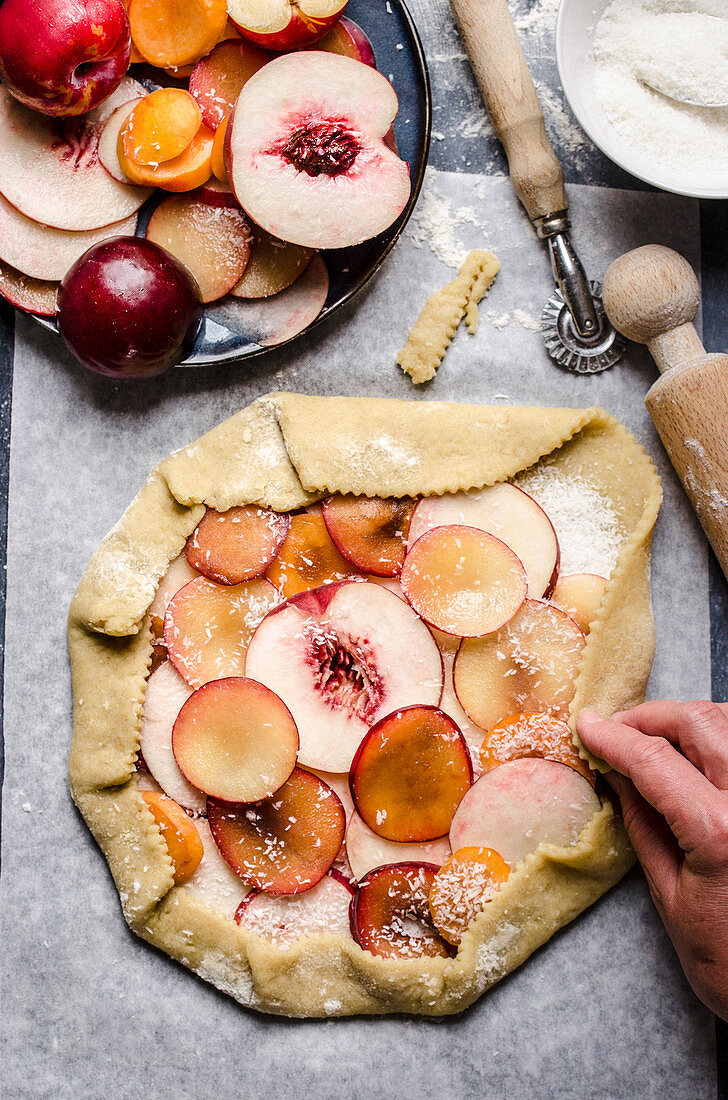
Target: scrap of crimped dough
(444, 310)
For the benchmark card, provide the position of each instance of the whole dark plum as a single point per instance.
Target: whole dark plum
(128, 309)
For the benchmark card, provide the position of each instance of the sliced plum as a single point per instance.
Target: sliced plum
(237, 545)
(218, 79)
(308, 557)
(390, 913)
(371, 532)
(273, 266)
(284, 844)
(31, 295)
(410, 774)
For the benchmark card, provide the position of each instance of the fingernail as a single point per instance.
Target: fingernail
(587, 717)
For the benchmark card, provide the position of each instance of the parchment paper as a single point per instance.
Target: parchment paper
(603, 1011)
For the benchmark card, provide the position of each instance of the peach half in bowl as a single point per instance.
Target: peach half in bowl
(576, 25)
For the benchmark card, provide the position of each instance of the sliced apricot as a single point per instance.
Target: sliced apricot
(235, 739)
(390, 913)
(462, 887)
(176, 32)
(532, 735)
(237, 545)
(207, 627)
(308, 557)
(190, 169)
(529, 665)
(218, 78)
(579, 595)
(179, 834)
(410, 773)
(217, 162)
(463, 581)
(284, 844)
(371, 532)
(160, 126)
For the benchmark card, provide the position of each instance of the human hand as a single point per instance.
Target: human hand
(670, 762)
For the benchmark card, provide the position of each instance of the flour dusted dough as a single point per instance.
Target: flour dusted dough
(284, 451)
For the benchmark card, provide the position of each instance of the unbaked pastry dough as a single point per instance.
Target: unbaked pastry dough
(284, 451)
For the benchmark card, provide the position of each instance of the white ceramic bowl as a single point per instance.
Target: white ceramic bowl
(575, 25)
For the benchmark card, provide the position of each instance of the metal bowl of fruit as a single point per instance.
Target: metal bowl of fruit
(277, 170)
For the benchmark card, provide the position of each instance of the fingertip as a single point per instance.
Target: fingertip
(587, 718)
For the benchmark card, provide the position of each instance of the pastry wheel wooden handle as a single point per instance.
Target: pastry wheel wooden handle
(500, 68)
(651, 295)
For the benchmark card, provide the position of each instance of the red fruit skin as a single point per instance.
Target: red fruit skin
(44, 44)
(299, 32)
(348, 38)
(357, 919)
(127, 309)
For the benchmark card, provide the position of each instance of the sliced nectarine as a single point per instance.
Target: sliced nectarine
(176, 32)
(308, 557)
(273, 266)
(390, 913)
(410, 773)
(529, 665)
(365, 850)
(523, 803)
(160, 126)
(218, 78)
(212, 241)
(180, 835)
(235, 740)
(179, 573)
(532, 735)
(579, 595)
(323, 910)
(463, 581)
(190, 169)
(237, 545)
(163, 699)
(371, 532)
(284, 844)
(207, 627)
(462, 887)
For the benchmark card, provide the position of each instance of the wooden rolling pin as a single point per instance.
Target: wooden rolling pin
(651, 295)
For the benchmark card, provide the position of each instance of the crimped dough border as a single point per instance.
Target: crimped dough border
(284, 451)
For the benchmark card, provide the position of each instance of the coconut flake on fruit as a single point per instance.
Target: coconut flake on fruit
(462, 888)
(341, 657)
(530, 665)
(522, 735)
(166, 693)
(365, 850)
(207, 627)
(305, 151)
(50, 169)
(371, 532)
(214, 881)
(237, 545)
(523, 803)
(390, 913)
(502, 510)
(321, 911)
(284, 844)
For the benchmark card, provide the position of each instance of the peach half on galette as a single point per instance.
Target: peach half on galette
(325, 671)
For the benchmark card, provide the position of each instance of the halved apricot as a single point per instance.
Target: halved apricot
(532, 735)
(235, 739)
(390, 913)
(371, 532)
(462, 887)
(284, 844)
(176, 32)
(160, 126)
(237, 545)
(463, 581)
(308, 557)
(410, 773)
(180, 835)
(207, 627)
(190, 169)
(529, 665)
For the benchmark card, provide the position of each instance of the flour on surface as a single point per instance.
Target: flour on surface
(434, 223)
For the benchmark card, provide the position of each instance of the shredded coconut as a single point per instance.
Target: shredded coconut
(588, 529)
(676, 44)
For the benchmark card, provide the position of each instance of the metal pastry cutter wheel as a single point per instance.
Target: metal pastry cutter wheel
(577, 333)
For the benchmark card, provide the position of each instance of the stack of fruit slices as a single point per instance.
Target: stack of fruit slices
(269, 156)
(355, 714)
